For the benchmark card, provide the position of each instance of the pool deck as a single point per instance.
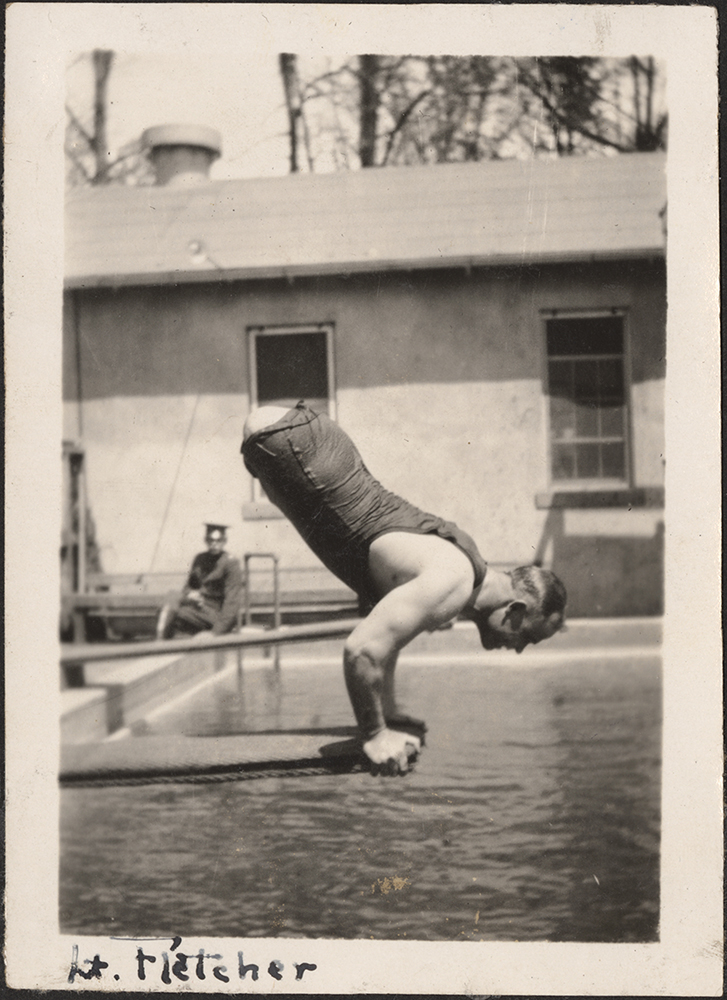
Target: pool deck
(115, 694)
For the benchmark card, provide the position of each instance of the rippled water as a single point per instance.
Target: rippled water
(533, 815)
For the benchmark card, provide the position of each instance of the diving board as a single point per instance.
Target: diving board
(155, 759)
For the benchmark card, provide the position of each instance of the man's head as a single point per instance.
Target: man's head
(536, 611)
(216, 537)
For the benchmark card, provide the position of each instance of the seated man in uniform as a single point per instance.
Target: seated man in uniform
(413, 570)
(212, 594)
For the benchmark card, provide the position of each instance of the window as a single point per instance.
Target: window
(289, 363)
(292, 363)
(587, 400)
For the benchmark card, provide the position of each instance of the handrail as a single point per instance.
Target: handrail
(79, 653)
(249, 556)
(277, 620)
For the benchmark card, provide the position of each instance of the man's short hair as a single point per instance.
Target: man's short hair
(545, 588)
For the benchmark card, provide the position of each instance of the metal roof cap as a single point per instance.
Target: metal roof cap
(183, 135)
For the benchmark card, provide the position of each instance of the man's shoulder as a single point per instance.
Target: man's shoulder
(408, 554)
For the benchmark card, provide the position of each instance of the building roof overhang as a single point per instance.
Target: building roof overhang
(503, 213)
(291, 273)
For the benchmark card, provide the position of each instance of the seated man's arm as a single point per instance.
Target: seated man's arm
(426, 602)
(190, 590)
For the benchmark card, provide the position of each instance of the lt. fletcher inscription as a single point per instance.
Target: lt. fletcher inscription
(174, 965)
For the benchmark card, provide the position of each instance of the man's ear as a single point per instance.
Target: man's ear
(515, 614)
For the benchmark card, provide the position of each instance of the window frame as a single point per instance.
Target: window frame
(262, 330)
(260, 507)
(601, 484)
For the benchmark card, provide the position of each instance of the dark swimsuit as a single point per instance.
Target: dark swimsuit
(318, 479)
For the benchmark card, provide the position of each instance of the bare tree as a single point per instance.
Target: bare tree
(102, 60)
(376, 110)
(649, 129)
(88, 157)
(591, 103)
(288, 70)
(369, 105)
(87, 147)
(454, 110)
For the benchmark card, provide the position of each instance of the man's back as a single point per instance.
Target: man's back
(312, 470)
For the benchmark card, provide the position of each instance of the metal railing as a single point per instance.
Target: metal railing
(247, 607)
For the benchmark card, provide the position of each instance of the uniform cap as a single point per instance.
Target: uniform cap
(213, 529)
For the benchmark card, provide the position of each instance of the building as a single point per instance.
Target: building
(492, 336)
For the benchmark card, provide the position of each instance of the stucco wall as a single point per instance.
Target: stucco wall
(439, 380)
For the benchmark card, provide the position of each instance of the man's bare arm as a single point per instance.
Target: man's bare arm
(417, 606)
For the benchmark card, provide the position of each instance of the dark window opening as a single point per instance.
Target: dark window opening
(292, 366)
(588, 400)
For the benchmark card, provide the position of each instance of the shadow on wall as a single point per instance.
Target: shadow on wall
(605, 575)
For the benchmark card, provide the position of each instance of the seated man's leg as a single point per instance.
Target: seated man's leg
(167, 615)
(189, 620)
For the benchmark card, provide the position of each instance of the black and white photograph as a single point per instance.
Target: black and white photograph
(368, 403)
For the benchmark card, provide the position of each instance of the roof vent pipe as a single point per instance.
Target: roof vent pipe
(182, 155)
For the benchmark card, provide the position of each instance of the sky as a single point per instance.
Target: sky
(240, 97)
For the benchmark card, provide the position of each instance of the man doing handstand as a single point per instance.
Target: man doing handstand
(416, 572)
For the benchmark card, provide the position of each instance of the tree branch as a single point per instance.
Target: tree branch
(79, 128)
(567, 121)
(401, 121)
(77, 162)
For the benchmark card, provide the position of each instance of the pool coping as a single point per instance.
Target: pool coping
(119, 694)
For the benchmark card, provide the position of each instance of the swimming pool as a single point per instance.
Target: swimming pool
(533, 814)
